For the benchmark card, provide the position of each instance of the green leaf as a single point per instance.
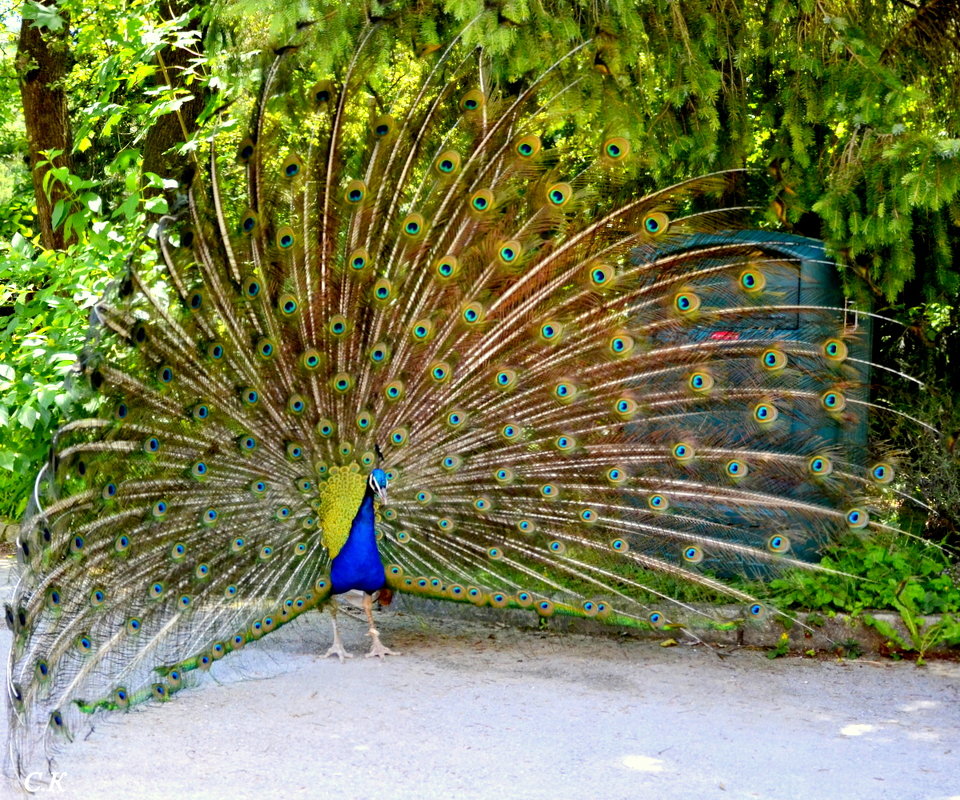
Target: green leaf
(43, 16)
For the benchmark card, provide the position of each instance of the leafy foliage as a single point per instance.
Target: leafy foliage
(848, 114)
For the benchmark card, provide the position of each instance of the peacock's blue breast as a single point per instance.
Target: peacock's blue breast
(358, 564)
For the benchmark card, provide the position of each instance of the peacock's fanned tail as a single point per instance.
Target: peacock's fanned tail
(584, 398)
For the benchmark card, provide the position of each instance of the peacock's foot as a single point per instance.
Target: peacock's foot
(379, 649)
(337, 649)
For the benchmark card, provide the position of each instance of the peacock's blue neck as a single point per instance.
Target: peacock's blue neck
(358, 564)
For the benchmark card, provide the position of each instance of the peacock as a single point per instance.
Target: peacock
(433, 343)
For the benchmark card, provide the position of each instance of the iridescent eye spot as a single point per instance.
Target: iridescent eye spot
(509, 431)
(773, 359)
(700, 382)
(820, 465)
(548, 331)
(216, 352)
(549, 491)
(620, 545)
(778, 543)
(210, 515)
(423, 497)
(445, 165)
(752, 281)
(438, 372)
(494, 553)
(412, 228)
(292, 169)
(658, 502)
(736, 469)
(616, 475)
(265, 348)
(155, 591)
(835, 350)
(656, 619)
(249, 223)
(285, 240)
(857, 518)
(651, 224)
(588, 515)
(355, 195)
(685, 302)
(507, 253)
(525, 148)
(248, 443)
(692, 554)
(195, 301)
(882, 473)
(756, 610)
(525, 526)
(151, 445)
(833, 401)
(382, 129)
(599, 276)
(557, 197)
(625, 407)
(765, 413)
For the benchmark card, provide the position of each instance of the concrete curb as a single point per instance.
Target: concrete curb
(844, 634)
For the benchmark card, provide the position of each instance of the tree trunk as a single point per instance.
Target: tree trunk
(43, 61)
(171, 129)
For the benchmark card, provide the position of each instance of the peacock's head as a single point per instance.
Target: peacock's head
(378, 484)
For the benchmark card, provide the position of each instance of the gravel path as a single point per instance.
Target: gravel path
(485, 711)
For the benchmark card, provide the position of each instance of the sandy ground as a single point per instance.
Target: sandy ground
(488, 711)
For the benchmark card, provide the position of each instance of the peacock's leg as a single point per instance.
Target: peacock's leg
(378, 649)
(336, 649)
